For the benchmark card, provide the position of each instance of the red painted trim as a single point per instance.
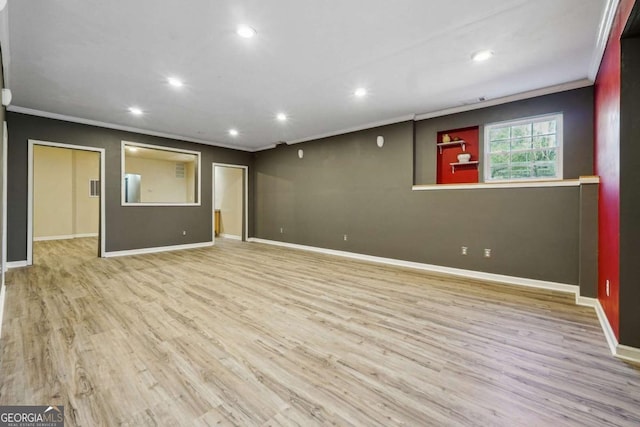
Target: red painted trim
(607, 166)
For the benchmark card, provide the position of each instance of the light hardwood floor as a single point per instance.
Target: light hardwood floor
(249, 334)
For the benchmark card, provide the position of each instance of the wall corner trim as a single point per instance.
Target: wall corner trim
(157, 249)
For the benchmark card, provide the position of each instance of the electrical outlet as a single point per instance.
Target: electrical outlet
(345, 237)
(487, 253)
(281, 230)
(608, 289)
(184, 232)
(464, 250)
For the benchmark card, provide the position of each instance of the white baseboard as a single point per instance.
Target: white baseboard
(510, 280)
(628, 353)
(83, 235)
(612, 341)
(156, 249)
(586, 301)
(47, 238)
(64, 237)
(621, 351)
(16, 264)
(231, 236)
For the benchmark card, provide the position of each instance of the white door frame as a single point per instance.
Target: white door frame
(103, 227)
(245, 202)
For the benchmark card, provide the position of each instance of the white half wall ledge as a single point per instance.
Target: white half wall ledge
(623, 352)
(143, 251)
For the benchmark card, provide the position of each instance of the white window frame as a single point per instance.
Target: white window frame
(558, 117)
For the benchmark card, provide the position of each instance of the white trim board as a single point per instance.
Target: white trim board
(624, 352)
(103, 226)
(230, 236)
(498, 278)
(621, 351)
(157, 249)
(513, 184)
(16, 264)
(64, 237)
(73, 119)
(606, 24)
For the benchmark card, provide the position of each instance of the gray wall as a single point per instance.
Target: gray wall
(629, 188)
(576, 106)
(347, 185)
(128, 227)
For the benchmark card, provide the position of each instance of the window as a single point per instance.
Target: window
(94, 188)
(526, 149)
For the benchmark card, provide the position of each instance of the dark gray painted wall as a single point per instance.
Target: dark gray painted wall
(128, 227)
(576, 106)
(629, 192)
(588, 258)
(347, 185)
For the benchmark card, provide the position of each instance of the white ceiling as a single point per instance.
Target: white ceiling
(93, 59)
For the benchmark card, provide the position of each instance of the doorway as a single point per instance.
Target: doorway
(230, 201)
(65, 194)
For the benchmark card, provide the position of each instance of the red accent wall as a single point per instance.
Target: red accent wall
(607, 166)
(465, 173)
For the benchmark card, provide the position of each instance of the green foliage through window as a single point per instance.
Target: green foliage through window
(524, 149)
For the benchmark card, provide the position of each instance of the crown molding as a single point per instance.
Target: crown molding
(506, 99)
(73, 119)
(405, 118)
(604, 30)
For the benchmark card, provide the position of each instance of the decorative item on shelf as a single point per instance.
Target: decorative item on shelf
(464, 157)
(446, 138)
(456, 138)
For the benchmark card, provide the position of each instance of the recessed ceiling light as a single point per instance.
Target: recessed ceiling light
(135, 110)
(233, 132)
(360, 92)
(246, 31)
(132, 149)
(482, 55)
(175, 82)
(282, 117)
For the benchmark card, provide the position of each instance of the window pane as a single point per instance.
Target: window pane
(544, 141)
(495, 146)
(544, 128)
(520, 131)
(524, 157)
(521, 144)
(499, 158)
(521, 171)
(499, 133)
(524, 150)
(500, 171)
(545, 169)
(544, 155)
